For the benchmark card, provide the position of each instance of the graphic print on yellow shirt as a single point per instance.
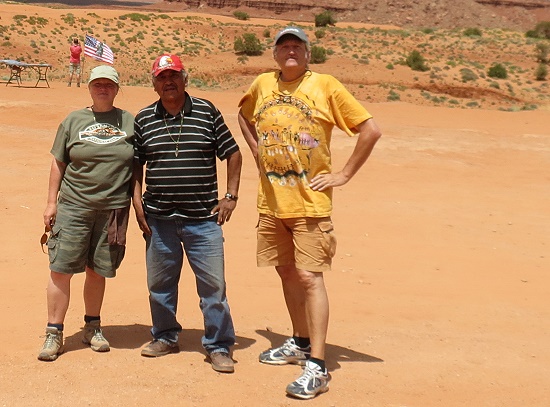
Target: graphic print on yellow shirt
(294, 123)
(286, 155)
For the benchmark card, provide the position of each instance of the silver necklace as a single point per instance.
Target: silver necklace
(177, 142)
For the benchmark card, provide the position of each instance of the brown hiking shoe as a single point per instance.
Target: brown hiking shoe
(93, 336)
(53, 345)
(158, 348)
(222, 362)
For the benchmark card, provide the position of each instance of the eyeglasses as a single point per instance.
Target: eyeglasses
(44, 238)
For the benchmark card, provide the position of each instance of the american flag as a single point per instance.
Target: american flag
(98, 50)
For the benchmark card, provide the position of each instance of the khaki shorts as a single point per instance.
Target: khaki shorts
(74, 68)
(307, 243)
(80, 238)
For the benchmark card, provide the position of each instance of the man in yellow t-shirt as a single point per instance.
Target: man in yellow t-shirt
(287, 118)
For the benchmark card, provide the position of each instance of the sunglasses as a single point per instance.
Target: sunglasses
(44, 238)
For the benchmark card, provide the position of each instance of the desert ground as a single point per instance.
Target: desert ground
(439, 290)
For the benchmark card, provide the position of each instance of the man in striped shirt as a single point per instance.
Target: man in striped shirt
(179, 139)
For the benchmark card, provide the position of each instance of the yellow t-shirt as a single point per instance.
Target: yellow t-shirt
(294, 122)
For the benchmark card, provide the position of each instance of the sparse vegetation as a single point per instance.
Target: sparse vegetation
(541, 52)
(497, 71)
(468, 75)
(416, 61)
(318, 55)
(454, 61)
(241, 15)
(319, 34)
(472, 32)
(248, 44)
(542, 30)
(541, 72)
(324, 19)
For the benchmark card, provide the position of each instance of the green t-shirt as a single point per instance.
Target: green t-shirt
(98, 150)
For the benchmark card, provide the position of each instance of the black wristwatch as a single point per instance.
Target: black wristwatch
(231, 197)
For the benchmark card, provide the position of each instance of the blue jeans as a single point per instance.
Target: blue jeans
(203, 246)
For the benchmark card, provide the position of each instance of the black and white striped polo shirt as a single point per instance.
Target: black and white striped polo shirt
(183, 185)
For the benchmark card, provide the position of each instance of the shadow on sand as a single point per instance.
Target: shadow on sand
(137, 335)
(334, 353)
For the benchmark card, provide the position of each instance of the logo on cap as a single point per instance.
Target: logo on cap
(167, 62)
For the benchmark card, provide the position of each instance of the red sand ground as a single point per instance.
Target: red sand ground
(439, 292)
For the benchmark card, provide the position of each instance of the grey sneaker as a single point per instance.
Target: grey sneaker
(288, 353)
(93, 336)
(53, 345)
(158, 348)
(312, 382)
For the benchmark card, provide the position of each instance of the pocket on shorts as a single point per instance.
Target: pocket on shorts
(117, 255)
(54, 243)
(329, 239)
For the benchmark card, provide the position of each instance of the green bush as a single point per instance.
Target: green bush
(240, 15)
(248, 44)
(267, 33)
(542, 30)
(324, 19)
(541, 51)
(497, 71)
(393, 96)
(541, 72)
(137, 17)
(319, 34)
(472, 32)
(468, 75)
(416, 62)
(318, 55)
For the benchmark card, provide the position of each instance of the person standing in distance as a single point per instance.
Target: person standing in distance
(178, 139)
(88, 206)
(74, 62)
(287, 118)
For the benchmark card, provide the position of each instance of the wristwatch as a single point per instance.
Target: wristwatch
(231, 197)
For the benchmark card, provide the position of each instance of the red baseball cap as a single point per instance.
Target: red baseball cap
(167, 61)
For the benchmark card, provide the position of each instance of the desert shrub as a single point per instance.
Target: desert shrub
(393, 96)
(541, 72)
(542, 30)
(389, 66)
(318, 55)
(497, 71)
(248, 44)
(319, 34)
(416, 62)
(428, 30)
(19, 18)
(241, 15)
(472, 32)
(324, 19)
(137, 17)
(266, 33)
(468, 75)
(541, 52)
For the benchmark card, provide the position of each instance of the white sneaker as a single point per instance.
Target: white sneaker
(312, 382)
(288, 353)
